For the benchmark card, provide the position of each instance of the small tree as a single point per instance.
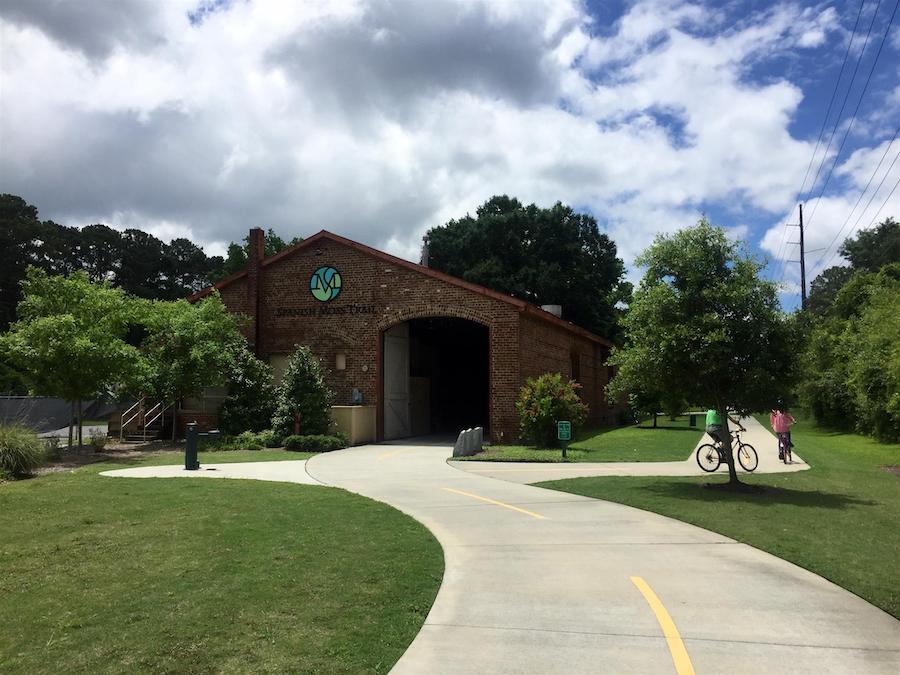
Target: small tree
(704, 327)
(303, 391)
(545, 400)
(250, 402)
(69, 341)
(188, 347)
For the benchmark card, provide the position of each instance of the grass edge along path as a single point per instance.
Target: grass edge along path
(102, 574)
(671, 441)
(839, 519)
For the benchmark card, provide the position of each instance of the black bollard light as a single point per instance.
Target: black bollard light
(191, 463)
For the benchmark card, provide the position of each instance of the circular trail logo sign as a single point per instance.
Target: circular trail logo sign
(325, 284)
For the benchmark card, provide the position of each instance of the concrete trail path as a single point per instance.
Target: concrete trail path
(538, 581)
(764, 442)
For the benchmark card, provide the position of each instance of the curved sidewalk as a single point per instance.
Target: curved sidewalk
(759, 437)
(538, 581)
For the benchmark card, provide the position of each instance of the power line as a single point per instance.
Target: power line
(863, 194)
(837, 120)
(782, 248)
(883, 204)
(862, 213)
(831, 102)
(858, 103)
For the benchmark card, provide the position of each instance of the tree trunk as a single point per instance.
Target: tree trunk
(726, 447)
(174, 418)
(71, 421)
(80, 427)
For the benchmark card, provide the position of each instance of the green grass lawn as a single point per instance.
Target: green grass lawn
(107, 575)
(671, 441)
(840, 519)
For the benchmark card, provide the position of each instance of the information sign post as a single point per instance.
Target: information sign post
(564, 434)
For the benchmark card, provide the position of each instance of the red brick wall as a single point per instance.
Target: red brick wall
(544, 348)
(388, 293)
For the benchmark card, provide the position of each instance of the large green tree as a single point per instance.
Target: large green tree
(872, 249)
(551, 256)
(851, 362)
(19, 227)
(705, 327)
(69, 340)
(848, 377)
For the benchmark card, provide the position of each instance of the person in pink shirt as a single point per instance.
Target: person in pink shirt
(781, 423)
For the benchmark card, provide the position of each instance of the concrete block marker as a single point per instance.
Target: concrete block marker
(469, 442)
(680, 658)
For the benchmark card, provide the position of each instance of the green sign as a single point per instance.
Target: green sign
(325, 284)
(564, 431)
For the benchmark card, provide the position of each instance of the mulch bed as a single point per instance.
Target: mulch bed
(67, 461)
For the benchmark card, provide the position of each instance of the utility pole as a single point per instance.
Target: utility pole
(802, 259)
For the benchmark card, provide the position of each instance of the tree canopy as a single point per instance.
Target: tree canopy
(851, 358)
(239, 254)
(542, 255)
(70, 338)
(703, 326)
(133, 260)
(188, 346)
(76, 339)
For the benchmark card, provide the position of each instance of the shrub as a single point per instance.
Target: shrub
(250, 401)
(98, 441)
(21, 451)
(270, 439)
(52, 443)
(314, 443)
(247, 440)
(545, 400)
(303, 390)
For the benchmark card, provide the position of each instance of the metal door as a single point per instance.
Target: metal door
(396, 382)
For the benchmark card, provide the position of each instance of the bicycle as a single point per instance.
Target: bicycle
(784, 449)
(711, 456)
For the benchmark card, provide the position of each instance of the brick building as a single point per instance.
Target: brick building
(428, 352)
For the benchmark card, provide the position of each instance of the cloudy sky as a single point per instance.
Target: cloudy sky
(378, 119)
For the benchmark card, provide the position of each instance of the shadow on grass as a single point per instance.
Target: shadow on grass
(695, 430)
(768, 496)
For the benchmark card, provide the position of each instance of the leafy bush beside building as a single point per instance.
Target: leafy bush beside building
(544, 401)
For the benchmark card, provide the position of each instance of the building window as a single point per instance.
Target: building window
(575, 367)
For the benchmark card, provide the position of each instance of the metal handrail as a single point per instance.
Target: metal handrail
(122, 421)
(150, 412)
(161, 412)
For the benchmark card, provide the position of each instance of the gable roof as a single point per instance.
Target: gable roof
(523, 306)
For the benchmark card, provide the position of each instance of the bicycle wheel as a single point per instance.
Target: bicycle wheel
(747, 457)
(708, 457)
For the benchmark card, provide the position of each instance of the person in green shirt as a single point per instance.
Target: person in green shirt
(715, 427)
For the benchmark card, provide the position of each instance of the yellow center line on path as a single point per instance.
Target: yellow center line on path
(496, 503)
(394, 453)
(682, 661)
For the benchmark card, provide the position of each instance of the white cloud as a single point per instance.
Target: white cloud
(379, 120)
